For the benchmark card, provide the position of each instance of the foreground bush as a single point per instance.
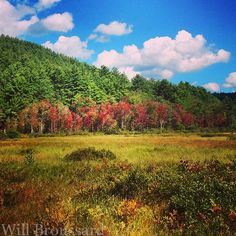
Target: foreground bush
(13, 134)
(9, 134)
(187, 198)
(90, 153)
(2, 135)
(202, 197)
(232, 137)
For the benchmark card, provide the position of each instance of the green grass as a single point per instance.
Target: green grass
(146, 190)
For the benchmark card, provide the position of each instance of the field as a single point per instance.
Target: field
(153, 184)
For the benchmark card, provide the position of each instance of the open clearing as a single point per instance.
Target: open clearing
(134, 148)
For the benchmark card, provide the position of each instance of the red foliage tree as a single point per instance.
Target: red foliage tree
(105, 117)
(77, 121)
(162, 115)
(68, 120)
(122, 112)
(54, 117)
(187, 119)
(180, 116)
(89, 115)
(140, 116)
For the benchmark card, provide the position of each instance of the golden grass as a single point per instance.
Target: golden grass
(134, 148)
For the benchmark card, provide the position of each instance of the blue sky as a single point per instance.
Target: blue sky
(182, 40)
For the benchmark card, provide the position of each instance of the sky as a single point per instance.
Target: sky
(181, 40)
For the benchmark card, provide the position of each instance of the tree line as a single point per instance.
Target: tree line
(46, 117)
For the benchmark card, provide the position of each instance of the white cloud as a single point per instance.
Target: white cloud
(212, 86)
(166, 74)
(92, 36)
(19, 19)
(103, 32)
(24, 10)
(129, 71)
(11, 18)
(45, 4)
(59, 22)
(114, 28)
(163, 56)
(70, 46)
(230, 81)
(102, 39)
(99, 38)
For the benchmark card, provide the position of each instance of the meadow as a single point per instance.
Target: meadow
(165, 184)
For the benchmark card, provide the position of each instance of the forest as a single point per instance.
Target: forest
(42, 91)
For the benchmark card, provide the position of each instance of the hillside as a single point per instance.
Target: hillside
(31, 73)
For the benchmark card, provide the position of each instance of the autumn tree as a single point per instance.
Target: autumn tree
(122, 114)
(162, 115)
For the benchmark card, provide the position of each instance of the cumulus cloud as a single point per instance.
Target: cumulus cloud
(114, 28)
(12, 20)
(20, 19)
(59, 22)
(163, 56)
(102, 39)
(56, 22)
(45, 4)
(24, 10)
(92, 36)
(70, 46)
(103, 32)
(230, 81)
(99, 38)
(212, 86)
(129, 71)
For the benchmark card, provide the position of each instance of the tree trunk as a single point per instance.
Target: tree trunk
(161, 125)
(122, 124)
(41, 127)
(31, 129)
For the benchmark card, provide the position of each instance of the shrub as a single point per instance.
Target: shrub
(112, 131)
(13, 134)
(208, 135)
(211, 135)
(180, 127)
(90, 153)
(135, 184)
(2, 136)
(107, 154)
(232, 137)
(29, 157)
(205, 192)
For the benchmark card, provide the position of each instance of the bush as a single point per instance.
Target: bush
(112, 131)
(211, 135)
(29, 157)
(208, 135)
(232, 137)
(90, 153)
(204, 194)
(135, 184)
(2, 136)
(13, 134)
(180, 127)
